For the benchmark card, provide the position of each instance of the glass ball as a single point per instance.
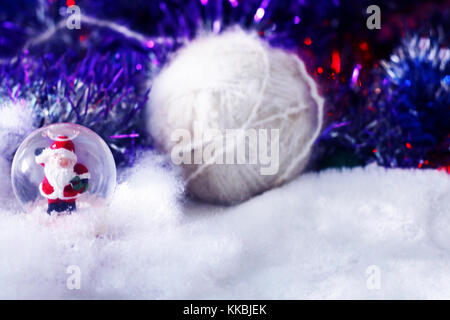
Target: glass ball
(62, 168)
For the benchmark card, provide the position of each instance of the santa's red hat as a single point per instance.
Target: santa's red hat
(61, 145)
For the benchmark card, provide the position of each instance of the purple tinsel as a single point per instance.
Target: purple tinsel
(104, 92)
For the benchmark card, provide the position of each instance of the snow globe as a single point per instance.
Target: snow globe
(63, 168)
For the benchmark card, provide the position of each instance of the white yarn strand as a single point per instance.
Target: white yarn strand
(315, 95)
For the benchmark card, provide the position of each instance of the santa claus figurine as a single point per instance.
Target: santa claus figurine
(65, 179)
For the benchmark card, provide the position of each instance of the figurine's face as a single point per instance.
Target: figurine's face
(61, 161)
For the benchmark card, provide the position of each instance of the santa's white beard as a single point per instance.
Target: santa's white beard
(58, 177)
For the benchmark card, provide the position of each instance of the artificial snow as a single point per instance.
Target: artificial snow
(320, 236)
(16, 122)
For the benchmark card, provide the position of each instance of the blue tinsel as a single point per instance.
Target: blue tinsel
(417, 105)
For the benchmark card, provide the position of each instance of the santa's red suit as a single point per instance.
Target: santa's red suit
(62, 186)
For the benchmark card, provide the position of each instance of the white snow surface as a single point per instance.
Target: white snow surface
(313, 238)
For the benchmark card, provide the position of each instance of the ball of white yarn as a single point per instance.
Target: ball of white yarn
(235, 81)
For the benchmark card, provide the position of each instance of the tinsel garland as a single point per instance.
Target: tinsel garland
(402, 117)
(100, 91)
(416, 104)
